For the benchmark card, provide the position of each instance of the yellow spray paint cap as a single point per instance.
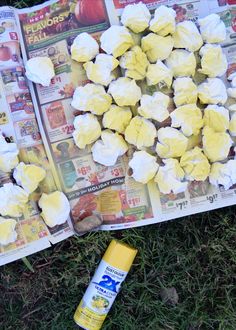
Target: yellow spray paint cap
(120, 255)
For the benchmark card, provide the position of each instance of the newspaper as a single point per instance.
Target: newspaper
(40, 120)
(19, 124)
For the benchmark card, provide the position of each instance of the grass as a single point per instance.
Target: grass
(20, 3)
(196, 255)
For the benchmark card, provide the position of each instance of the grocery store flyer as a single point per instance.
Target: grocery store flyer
(40, 120)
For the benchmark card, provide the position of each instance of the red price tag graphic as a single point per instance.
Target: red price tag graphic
(84, 170)
(13, 35)
(68, 129)
(234, 24)
(134, 201)
(117, 171)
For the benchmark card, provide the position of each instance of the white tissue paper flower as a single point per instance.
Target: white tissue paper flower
(195, 165)
(189, 118)
(232, 107)
(8, 155)
(212, 29)
(182, 63)
(135, 63)
(144, 166)
(136, 17)
(116, 40)
(109, 148)
(28, 176)
(159, 73)
(232, 124)
(125, 91)
(157, 47)
(212, 91)
(154, 106)
(216, 117)
(13, 200)
(91, 97)
(40, 70)
(87, 130)
(163, 22)
(171, 143)
(187, 36)
(117, 118)
(100, 72)
(170, 177)
(7, 231)
(185, 91)
(216, 145)
(84, 48)
(106, 60)
(213, 62)
(232, 79)
(140, 132)
(223, 174)
(231, 92)
(55, 208)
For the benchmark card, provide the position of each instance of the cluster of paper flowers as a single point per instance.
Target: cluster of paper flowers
(195, 140)
(181, 132)
(15, 196)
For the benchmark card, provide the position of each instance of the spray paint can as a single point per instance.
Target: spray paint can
(105, 285)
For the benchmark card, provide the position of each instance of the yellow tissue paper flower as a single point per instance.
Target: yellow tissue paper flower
(170, 177)
(140, 132)
(157, 47)
(163, 22)
(87, 130)
(116, 40)
(187, 36)
(135, 63)
(212, 91)
(136, 17)
(171, 143)
(185, 91)
(100, 72)
(117, 118)
(216, 145)
(144, 166)
(125, 91)
(91, 97)
(7, 231)
(232, 125)
(107, 150)
(195, 165)
(8, 155)
(212, 29)
(216, 117)
(13, 200)
(189, 118)
(154, 106)
(213, 62)
(28, 176)
(84, 48)
(55, 208)
(223, 174)
(182, 63)
(159, 73)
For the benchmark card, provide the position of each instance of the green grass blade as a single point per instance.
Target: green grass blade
(28, 264)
